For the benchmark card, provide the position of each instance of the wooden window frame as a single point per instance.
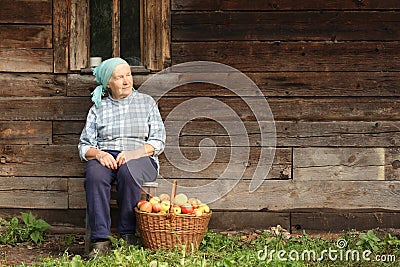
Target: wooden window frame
(155, 37)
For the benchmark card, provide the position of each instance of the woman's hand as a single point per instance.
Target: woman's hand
(121, 159)
(107, 160)
(143, 151)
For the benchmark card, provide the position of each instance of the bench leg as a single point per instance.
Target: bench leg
(88, 233)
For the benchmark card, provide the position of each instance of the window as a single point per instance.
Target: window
(115, 29)
(136, 30)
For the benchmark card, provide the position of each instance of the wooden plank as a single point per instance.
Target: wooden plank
(224, 163)
(67, 127)
(288, 26)
(288, 133)
(76, 187)
(26, 11)
(292, 56)
(41, 160)
(325, 83)
(165, 33)
(33, 192)
(292, 134)
(52, 108)
(337, 221)
(233, 220)
(25, 132)
(37, 85)
(274, 84)
(26, 36)
(155, 37)
(67, 132)
(392, 163)
(271, 5)
(290, 195)
(79, 43)
(286, 195)
(61, 35)
(33, 183)
(338, 164)
(309, 109)
(33, 199)
(115, 28)
(22, 60)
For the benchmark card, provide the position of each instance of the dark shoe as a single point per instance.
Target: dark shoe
(99, 248)
(130, 239)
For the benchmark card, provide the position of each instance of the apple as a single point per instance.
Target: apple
(146, 207)
(156, 207)
(194, 202)
(187, 208)
(204, 208)
(177, 210)
(164, 197)
(165, 205)
(197, 212)
(154, 200)
(180, 199)
(140, 203)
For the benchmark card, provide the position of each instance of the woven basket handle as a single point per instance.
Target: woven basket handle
(173, 194)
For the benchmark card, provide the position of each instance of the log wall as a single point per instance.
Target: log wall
(330, 71)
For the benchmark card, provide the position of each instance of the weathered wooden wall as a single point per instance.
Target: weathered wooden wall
(330, 71)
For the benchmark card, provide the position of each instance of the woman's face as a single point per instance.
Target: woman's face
(121, 81)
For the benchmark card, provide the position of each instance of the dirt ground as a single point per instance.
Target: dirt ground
(53, 246)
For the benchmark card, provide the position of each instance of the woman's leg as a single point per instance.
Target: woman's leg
(98, 190)
(130, 177)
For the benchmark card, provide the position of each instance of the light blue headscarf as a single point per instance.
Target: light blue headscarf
(102, 75)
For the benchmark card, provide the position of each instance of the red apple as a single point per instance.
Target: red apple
(157, 207)
(146, 207)
(140, 203)
(187, 208)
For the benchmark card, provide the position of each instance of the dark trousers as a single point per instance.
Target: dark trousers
(129, 178)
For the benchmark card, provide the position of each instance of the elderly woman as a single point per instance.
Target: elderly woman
(121, 140)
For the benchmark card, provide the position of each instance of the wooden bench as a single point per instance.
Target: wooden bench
(148, 190)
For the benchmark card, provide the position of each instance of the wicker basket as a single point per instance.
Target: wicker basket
(169, 229)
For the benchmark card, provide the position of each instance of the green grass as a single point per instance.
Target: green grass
(269, 248)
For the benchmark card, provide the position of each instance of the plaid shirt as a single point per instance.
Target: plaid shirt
(123, 124)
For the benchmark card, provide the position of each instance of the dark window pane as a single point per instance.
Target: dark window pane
(100, 28)
(130, 31)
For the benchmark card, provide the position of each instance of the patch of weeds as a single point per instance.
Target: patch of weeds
(224, 250)
(32, 230)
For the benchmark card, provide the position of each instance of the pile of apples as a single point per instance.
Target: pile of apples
(181, 204)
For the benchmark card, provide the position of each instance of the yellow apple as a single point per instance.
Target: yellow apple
(177, 210)
(204, 208)
(180, 199)
(154, 200)
(165, 205)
